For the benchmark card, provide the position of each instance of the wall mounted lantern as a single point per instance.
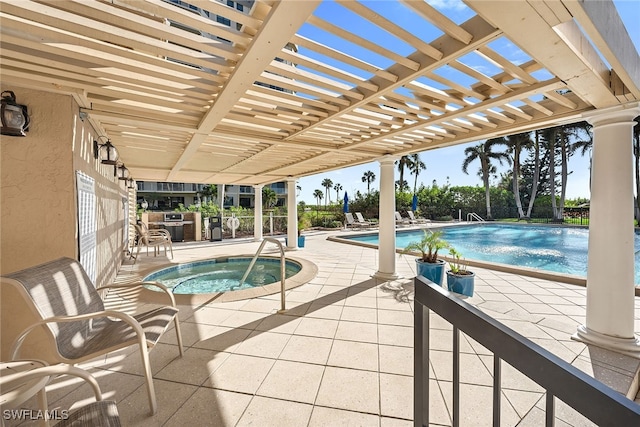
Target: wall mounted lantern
(122, 172)
(106, 152)
(15, 120)
(131, 183)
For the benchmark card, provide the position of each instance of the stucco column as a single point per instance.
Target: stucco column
(292, 215)
(610, 270)
(387, 222)
(257, 213)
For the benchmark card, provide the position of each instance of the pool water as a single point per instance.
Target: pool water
(221, 275)
(552, 248)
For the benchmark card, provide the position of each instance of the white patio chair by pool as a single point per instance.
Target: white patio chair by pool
(363, 221)
(352, 222)
(416, 220)
(67, 315)
(400, 220)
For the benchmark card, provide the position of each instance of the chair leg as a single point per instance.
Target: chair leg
(178, 335)
(149, 378)
(171, 249)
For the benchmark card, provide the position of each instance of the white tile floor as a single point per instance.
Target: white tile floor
(342, 354)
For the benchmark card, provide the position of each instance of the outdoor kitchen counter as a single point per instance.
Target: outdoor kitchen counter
(191, 223)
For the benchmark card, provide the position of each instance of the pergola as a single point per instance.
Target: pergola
(185, 98)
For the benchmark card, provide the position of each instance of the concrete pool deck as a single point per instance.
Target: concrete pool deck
(342, 354)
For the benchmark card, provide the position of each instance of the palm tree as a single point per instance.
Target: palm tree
(368, 177)
(338, 188)
(484, 153)
(327, 184)
(415, 167)
(318, 195)
(536, 173)
(209, 192)
(516, 143)
(402, 163)
(269, 197)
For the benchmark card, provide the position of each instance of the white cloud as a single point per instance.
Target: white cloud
(447, 4)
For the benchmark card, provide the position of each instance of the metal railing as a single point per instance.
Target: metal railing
(474, 216)
(282, 268)
(591, 398)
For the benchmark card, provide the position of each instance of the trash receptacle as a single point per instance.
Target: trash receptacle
(215, 226)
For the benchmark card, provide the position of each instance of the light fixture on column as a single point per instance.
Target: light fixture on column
(122, 172)
(15, 120)
(131, 183)
(106, 152)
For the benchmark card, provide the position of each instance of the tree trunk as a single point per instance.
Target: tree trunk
(565, 176)
(536, 175)
(552, 171)
(516, 176)
(487, 192)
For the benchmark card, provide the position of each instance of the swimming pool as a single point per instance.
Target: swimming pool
(552, 248)
(221, 275)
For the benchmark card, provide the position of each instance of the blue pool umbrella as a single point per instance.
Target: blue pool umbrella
(345, 207)
(414, 204)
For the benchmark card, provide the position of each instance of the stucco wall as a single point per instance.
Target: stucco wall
(38, 206)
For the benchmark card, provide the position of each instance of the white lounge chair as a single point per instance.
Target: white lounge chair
(353, 223)
(400, 220)
(416, 220)
(363, 221)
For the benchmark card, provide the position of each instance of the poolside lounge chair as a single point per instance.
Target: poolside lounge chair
(99, 413)
(400, 220)
(416, 220)
(363, 221)
(353, 223)
(64, 310)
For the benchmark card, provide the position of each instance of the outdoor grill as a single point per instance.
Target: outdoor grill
(174, 223)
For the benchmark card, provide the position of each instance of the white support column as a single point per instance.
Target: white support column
(292, 216)
(610, 271)
(387, 222)
(257, 213)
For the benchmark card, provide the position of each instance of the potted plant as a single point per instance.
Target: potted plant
(459, 279)
(302, 224)
(428, 264)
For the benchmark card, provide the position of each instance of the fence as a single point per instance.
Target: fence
(589, 397)
(542, 215)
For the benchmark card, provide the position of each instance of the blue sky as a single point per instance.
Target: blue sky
(445, 163)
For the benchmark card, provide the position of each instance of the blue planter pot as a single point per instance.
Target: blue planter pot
(461, 284)
(300, 241)
(431, 271)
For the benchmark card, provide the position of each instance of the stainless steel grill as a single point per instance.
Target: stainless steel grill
(174, 223)
(173, 217)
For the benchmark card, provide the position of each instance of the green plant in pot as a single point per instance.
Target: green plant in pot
(428, 264)
(460, 280)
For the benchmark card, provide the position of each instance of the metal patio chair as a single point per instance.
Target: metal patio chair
(103, 413)
(152, 238)
(72, 322)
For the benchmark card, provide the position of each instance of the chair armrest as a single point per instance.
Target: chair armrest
(46, 371)
(61, 319)
(139, 285)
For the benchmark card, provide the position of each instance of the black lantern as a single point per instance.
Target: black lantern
(15, 120)
(131, 184)
(106, 152)
(122, 172)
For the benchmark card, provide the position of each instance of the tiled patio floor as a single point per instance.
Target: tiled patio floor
(342, 354)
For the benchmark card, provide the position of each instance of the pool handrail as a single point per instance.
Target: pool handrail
(472, 215)
(282, 268)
